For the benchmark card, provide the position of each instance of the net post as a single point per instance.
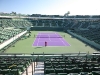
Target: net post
(79, 53)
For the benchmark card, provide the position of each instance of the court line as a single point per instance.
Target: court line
(63, 39)
(49, 38)
(38, 41)
(46, 34)
(59, 38)
(34, 41)
(51, 46)
(49, 41)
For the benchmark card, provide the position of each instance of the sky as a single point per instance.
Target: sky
(51, 7)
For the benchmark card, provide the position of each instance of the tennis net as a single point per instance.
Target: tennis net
(49, 36)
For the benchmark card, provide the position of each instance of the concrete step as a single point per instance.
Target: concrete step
(39, 69)
(40, 63)
(39, 66)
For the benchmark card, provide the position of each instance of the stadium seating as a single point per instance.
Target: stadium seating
(13, 65)
(82, 16)
(53, 23)
(96, 16)
(92, 35)
(59, 23)
(33, 22)
(87, 29)
(6, 34)
(66, 23)
(56, 65)
(69, 24)
(39, 23)
(85, 24)
(39, 15)
(12, 14)
(15, 23)
(47, 23)
(76, 24)
(72, 66)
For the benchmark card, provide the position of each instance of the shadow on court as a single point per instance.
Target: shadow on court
(37, 47)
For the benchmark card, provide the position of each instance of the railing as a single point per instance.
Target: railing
(44, 17)
(42, 57)
(11, 40)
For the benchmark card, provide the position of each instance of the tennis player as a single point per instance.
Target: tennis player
(45, 44)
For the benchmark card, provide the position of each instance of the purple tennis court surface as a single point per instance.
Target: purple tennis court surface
(50, 40)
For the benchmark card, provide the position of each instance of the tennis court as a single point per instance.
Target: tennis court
(32, 44)
(53, 39)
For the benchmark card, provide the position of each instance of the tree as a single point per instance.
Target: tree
(13, 13)
(66, 14)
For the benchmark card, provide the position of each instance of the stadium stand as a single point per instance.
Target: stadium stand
(15, 23)
(72, 65)
(6, 34)
(82, 16)
(92, 35)
(67, 24)
(96, 16)
(13, 65)
(65, 64)
(85, 24)
(47, 23)
(51, 65)
(33, 23)
(59, 23)
(53, 23)
(39, 23)
(12, 14)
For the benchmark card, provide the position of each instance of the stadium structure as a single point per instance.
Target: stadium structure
(73, 44)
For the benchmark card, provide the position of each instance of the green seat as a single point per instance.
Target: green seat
(76, 70)
(20, 67)
(63, 66)
(68, 70)
(47, 63)
(13, 71)
(73, 74)
(48, 66)
(62, 63)
(47, 71)
(56, 66)
(62, 73)
(54, 63)
(59, 70)
(96, 72)
(83, 73)
(51, 74)
(96, 65)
